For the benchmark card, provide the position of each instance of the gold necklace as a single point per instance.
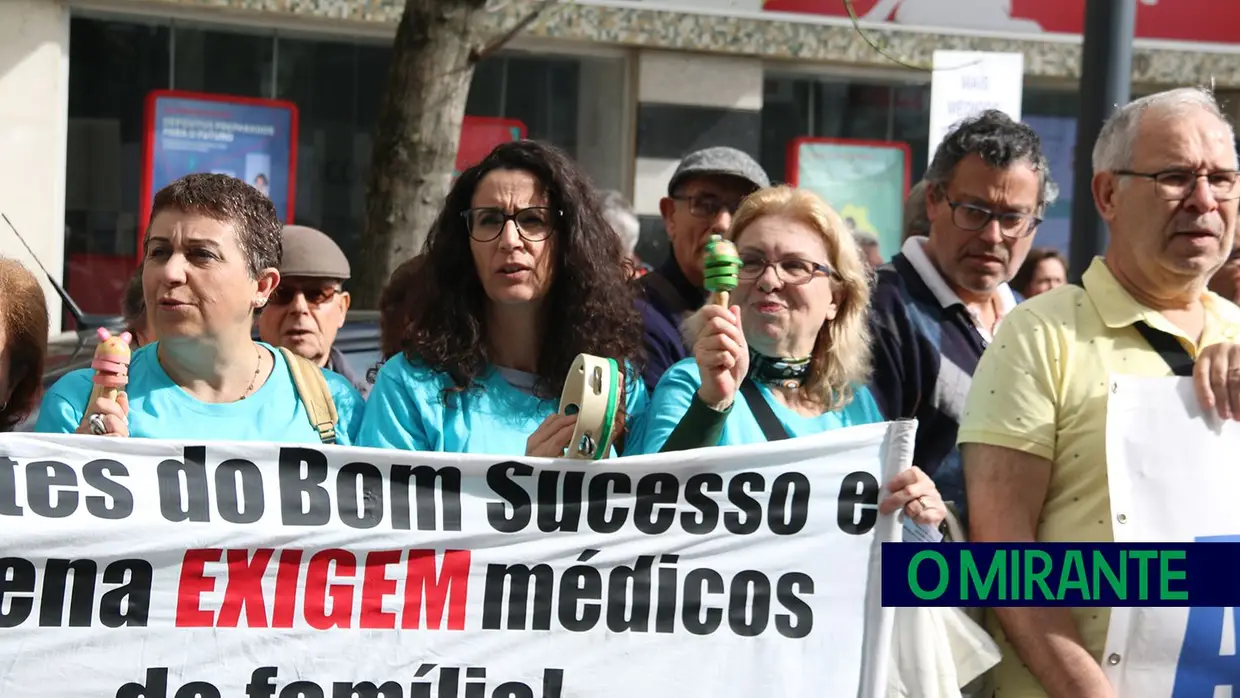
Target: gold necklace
(258, 354)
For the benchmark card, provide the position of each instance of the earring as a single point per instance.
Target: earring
(260, 302)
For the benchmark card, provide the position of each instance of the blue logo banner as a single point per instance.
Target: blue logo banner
(250, 139)
(1200, 574)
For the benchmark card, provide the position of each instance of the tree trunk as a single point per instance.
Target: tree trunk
(417, 135)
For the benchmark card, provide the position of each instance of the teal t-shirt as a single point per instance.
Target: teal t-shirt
(160, 409)
(680, 383)
(407, 410)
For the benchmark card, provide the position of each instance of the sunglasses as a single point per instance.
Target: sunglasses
(283, 295)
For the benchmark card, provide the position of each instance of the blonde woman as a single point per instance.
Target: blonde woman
(795, 345)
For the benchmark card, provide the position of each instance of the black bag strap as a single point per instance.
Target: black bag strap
(1169, 348)
(669, 297)
(771, 427)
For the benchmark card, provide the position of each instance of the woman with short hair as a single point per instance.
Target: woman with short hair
(23, 342)
(521, 273)
(212, 253)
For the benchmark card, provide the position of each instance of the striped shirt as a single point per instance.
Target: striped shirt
(926, 346)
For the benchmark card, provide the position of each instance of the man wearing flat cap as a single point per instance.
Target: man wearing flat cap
(703, 194)
(308, 308)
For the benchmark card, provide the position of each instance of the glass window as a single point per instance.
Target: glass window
(337, 86)
(570, 101)
(225, 62)
(831, 107)
(112, 66)
(839, 108)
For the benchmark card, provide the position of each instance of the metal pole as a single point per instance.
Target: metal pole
(1106, 79)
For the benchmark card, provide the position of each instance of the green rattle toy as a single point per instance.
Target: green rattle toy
(721, 266)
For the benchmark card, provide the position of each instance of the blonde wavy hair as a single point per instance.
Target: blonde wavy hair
(840, 361)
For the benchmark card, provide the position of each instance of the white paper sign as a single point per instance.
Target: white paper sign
(243, 569)
(1173, 477)
(965, 83)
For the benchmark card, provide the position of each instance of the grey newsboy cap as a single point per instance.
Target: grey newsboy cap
(720, 160)
(309, 252)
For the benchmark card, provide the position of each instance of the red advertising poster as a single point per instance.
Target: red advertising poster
(1207, 21)
(480, 135)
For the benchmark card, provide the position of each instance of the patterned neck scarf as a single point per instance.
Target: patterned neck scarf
(788, 373)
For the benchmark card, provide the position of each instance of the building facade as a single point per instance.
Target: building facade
(626, 88)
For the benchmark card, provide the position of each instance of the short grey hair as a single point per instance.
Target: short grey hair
(619, 213)
(1118, 137)
(1000, 142)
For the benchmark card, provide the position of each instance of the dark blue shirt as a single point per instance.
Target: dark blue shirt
(666, 299)
(924, 357)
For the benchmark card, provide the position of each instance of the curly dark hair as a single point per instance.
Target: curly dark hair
(999, 141)
(23, 310)
(589, 307)
(260, 234)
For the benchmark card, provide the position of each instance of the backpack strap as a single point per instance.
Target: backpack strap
(315, 395)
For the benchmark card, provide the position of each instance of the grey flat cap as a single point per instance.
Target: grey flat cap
(309, 252)
(720, 160)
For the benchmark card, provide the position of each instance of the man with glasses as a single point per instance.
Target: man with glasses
(703, 194)
(1033, 437)
(938, 303)
(308, 308)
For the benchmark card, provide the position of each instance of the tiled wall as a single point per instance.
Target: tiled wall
(756, 36)
(34, 99)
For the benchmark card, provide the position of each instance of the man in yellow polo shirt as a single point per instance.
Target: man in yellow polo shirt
(1033, 435)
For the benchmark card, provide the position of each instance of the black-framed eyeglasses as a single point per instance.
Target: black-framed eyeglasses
(534, 223)
(1178, 185)
(315, 295)
(1012, 224)
(790, 270)
(708, 205)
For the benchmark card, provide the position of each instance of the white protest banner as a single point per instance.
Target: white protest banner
(158, 569)
(1173, 479)
(965, 83)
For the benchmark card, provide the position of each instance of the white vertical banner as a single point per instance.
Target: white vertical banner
(1172, 476)
(966, 83)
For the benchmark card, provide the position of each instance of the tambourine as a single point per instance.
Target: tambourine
(592, 392)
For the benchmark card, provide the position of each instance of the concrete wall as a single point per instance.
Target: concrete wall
(686, 102)
(34, 108)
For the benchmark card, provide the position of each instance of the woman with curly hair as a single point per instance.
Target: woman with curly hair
(521, 274)
(23, 342)
(796, 345)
